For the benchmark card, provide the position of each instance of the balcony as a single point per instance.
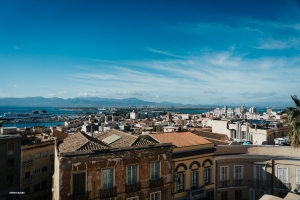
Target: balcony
(238, 182)
(9, 169)
(43, 194)
(259, 183)
(224, 183)
(286, 186)
(156, 183)
(26, 181)
(28, 163)
(110, 192)
(133, 187)
(80, 196)
(197, 193)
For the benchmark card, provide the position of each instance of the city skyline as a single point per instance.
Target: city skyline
(197, 52)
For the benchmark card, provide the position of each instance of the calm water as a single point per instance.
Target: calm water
(32, 124)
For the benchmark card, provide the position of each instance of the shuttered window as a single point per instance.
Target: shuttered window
(132, 174)
(155, 174)
(107, 176)
(79, 183)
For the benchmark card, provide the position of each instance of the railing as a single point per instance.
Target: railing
(286, 186)
(28, 163)
(133, 187)
(26, 181)
(43, 194)
(9, 169)
(110, 192)
(197, 193)
(238, 182)
(224, 183)
(80, 196)
(156, 182)
(259, 183)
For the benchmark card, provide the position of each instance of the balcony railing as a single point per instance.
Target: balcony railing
(28, 163)
(43, 194)
(9, 169)
(224, 183)
(156, 182)
(133, 187)
(238, 182)
(259, 183)
(26, 181)
(110, 192)
(286, 186)
(80, 196)
(197, 193)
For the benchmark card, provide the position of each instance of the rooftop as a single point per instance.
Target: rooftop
(180, 139)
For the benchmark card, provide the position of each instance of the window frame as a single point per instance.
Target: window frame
(133, 198)
(72, 180)
(113, 178)
(153, 193)
(44, 154)
(207, 176)
(153, 171)
(263, 169)
(241, 173)
(286, 174)
(221, 173)
(297, 176)
(44, 169)
(181, 185)
(37, 171)
(194, 179)
(130, 176)
(36, 155)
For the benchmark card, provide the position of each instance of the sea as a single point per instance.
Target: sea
(53, 110)
(77, 111)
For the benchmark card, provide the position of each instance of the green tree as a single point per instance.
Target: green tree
(293, 119)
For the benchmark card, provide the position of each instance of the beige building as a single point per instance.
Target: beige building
(249, 172)
(37, 167)
(256, 133)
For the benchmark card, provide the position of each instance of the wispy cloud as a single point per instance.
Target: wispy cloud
(12, 85)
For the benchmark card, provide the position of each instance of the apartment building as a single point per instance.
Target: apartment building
(37, 166)
(249, 172)
(10, 154)
(112, 165)
(192, 165)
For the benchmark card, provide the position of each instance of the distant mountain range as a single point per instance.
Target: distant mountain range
(101, 102)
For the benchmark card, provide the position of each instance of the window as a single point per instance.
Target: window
(206, 176)
(27, 175)
(52, 166)
(155, 196)
(10, 181)
(283, 176)
(224, 173)
(37, 171)
(238, 195)
(259, 172)
(44, 185)
(133, 198)
(45, 153)
(27, 158)
(180, 182)
(155, 172)
(297, 177)
(27, 190)
(194, 179)
(107, 176)
(224, 195)
(79, 183)
(238, 172)
(37, 155)
(37, 187)
(44, 169)
(10, 148)
(10, 163)
(132, 174)
(244, 135)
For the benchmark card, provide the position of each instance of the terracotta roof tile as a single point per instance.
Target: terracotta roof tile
(180, 139)
(80, 141)
(206, 134)
(125, 140)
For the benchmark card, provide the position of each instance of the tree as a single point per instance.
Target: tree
(293, 119)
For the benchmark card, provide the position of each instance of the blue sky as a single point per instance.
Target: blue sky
(198, 52)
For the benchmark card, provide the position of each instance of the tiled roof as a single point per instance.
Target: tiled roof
(144, 140)
(206, 134)
(125, 140)
(80, 141)
(218, 142)
(180, 139)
